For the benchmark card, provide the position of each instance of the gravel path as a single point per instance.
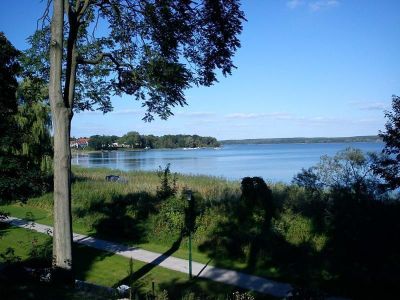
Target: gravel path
(226, 276)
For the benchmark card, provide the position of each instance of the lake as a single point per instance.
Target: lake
(273, 162)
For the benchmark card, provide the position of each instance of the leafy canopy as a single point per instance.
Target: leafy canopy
(388, 165)
(150, 49)
(25, 145)
(348, 170)
(9, 69)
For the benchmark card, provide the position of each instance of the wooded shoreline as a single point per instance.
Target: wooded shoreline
(307, 140)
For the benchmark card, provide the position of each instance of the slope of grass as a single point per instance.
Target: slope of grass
(111, 270)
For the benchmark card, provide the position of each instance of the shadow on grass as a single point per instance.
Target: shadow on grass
(130, 279)
(360, 257)
(199, 288)
(122, 218)
(246, 236)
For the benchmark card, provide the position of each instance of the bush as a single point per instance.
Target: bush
(167, 186)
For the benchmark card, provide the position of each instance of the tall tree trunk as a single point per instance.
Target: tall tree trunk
(62, 235)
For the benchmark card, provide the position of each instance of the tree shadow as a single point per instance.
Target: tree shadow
(132, 278)
(361, 255)
(189, 225)
(202, 289)
(121, 219)
(247, 241)
(363, 247)
(247, 228)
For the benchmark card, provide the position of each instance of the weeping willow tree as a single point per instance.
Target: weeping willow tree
(34, 123)
(25, 145)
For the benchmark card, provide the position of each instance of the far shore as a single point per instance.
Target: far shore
(86, 151)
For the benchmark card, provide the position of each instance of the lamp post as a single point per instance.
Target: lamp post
(189, 198)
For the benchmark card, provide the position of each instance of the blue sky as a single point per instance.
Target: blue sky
(306, 68)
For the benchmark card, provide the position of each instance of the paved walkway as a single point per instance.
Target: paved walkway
(226, 276)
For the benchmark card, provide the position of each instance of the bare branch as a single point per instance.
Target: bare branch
(95, 61)
(95, 25)
(99, 58)
(45, 15)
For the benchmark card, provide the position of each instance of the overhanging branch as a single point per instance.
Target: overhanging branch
(124, 83)
(99, 59)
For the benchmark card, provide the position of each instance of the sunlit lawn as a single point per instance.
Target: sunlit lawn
(104, 268)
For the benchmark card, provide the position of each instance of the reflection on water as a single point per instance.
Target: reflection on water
(274, 162)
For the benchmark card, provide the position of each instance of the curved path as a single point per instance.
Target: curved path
(226, 276)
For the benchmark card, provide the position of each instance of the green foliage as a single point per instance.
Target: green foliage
(182, 141)
(102, 142)
(303, 140)
(349, 170)
(168, 224)
(9, 70)
(134, 140)
(8, 256)
(25, 145)
(144, 52)
(388, 165)
(167, 186)
(245, 226)
(329, 238)
(297, 229)
(33, 120)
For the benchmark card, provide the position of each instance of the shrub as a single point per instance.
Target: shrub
(167, 186)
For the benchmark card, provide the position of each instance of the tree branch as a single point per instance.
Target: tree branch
(99, 59)
(45, 15)
(82, 9)
(77, 4)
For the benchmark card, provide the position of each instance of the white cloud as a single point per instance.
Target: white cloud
(313, 5)
(274, 115)
(323, 5)
(297, 119)
(198, 114)
(292, 4)
(380, 106)
(126, 112)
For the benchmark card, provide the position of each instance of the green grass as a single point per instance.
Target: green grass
(42, 216)
(132, 214)
(90, 189)
(104, 268)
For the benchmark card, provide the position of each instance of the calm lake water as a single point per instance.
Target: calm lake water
(273, 162)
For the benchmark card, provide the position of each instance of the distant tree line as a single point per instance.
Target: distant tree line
(134, 140)
(304, 140)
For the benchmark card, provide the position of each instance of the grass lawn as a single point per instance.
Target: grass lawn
(42, 216)
(90, 188)
(94, 200)
(108, 269)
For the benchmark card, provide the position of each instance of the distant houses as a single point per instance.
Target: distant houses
(79, 143)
